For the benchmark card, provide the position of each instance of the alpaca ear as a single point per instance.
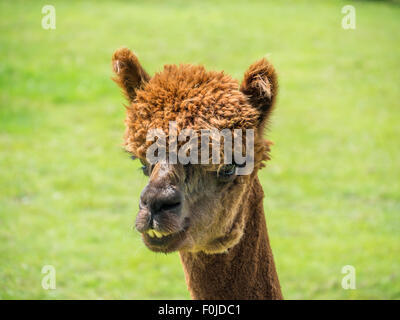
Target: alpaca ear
(260, 85)
(129, 73)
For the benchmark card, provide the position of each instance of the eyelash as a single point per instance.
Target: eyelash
(145, 170)
(222, 174)
(144, 167)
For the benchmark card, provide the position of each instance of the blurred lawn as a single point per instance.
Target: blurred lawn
(69, 194)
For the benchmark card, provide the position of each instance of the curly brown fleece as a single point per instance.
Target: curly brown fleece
(192, 97)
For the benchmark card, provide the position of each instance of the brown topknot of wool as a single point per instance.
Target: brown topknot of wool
(193, 98)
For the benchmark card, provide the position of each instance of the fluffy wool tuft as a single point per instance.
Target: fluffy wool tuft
(191, 96)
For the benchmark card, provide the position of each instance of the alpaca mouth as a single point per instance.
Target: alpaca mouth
(164, 242)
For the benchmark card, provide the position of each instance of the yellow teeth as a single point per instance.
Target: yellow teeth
(153, 233)
(150, 233)
(158, 234)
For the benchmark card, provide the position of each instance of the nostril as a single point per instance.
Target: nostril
(170, 206)
(160, 199)
(142, 204)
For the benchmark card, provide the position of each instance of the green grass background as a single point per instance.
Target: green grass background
(69, 194)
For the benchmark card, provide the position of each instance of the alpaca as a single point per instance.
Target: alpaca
(213, 217)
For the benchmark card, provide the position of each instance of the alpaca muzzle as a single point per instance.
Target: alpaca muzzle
(159, 218)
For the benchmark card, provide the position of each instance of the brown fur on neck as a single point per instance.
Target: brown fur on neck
(246, 271)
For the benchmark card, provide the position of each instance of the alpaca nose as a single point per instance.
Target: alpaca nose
(161, 200)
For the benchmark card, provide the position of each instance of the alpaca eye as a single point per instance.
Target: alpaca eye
(144, 168)
(227, 170)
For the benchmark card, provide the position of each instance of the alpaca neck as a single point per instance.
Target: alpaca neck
(246, 271)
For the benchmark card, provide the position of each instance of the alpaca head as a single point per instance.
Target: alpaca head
(186, 206)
